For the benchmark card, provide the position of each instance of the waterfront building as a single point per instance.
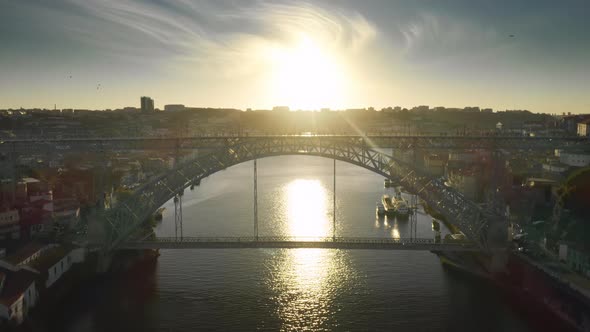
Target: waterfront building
(577, 257)
(20, 273)
(18, 295)
(55, 262)
(24, 255)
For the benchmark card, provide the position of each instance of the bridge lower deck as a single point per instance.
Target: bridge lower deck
(325, 243)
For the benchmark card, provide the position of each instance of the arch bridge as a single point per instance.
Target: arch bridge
(484, 229)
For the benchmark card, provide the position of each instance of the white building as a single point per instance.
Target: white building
(54, 263)
(18, 294)
(33, 266)
(584, 128)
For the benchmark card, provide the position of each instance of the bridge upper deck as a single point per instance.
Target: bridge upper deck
(101, 144)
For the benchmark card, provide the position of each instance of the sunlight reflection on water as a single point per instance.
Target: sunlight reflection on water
(307, 212)
(306, 281)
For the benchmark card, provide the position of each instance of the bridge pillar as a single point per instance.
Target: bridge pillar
(334, 207)
(178, 214)
(255, 199)
(103, 264)
(497, 233)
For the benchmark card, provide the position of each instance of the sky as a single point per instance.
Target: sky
(99, 54)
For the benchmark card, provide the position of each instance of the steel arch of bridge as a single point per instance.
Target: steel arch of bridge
(123, 219)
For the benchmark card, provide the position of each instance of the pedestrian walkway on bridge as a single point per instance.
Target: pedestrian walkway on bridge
(301, 242)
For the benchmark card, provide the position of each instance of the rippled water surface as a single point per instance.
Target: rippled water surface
(290, 289)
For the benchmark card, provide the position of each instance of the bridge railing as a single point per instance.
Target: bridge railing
(360, 240)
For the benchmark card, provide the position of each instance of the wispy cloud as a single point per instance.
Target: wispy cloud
(429, 36)
(218, 33)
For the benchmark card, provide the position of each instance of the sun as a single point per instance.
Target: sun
(307, 77)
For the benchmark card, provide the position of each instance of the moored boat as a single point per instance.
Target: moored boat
(400, 205)
(388, 205)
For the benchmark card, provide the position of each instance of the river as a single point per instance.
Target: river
(290, 289)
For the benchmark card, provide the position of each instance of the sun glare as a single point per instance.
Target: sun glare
(307, 77)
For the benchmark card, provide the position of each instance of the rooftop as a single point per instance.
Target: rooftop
(49, 258)
(29, 180)
(540, 181)
(24, 253)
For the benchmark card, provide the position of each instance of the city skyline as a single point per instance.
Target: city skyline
(307, 55)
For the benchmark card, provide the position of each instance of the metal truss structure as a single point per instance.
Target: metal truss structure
(101, 144)
(485, 229)
(301, 242)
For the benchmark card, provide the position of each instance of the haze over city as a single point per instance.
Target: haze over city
(304, 54)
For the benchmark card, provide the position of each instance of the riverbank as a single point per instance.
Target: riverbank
(530, 289)
(78, 279)
(540, 293)
(438, 216)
